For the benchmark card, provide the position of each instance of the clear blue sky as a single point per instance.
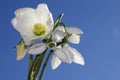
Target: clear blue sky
(100, 44)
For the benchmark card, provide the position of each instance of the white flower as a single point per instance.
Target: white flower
(74, 34)
(66, 54)
(33, 24)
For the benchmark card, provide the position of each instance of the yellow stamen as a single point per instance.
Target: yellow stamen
(39, 29)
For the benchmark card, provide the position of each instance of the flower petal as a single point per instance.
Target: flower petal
(58, 34)
(74, 38)
(14, 22)
(62, 55)
(55, 62)
(74, 30)
(24, 23)
(37, 48)
(68, 53)
(77, 57)
(45, 16)
(61, 28)
(25, 19)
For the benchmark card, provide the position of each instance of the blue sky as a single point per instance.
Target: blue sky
(100, 44)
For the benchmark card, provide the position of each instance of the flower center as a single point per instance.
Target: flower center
(39, 29)
(52, 45)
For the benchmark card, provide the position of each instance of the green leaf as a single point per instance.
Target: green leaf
(56, 23)
(36, 66)
(21, 50)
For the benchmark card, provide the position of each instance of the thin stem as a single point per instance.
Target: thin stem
(44, 65)
(36, 66)
(30, 62)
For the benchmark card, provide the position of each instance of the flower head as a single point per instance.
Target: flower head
(66, 54)
(33, 24)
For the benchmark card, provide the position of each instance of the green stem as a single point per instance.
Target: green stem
(36, 66)
(44, 65)
(30, 62)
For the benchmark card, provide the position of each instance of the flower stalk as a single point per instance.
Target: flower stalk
(44, 65)
(36, 66)
(30, 62)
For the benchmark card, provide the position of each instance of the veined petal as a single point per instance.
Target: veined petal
(37, 48)
(55, 62)
(77, 57)
(74, 38)
(74, 30)
(68, 53)
(62, 55)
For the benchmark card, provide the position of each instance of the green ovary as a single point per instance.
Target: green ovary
(39, 29)
(51, 45)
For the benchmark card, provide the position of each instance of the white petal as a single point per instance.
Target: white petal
(25, 19)
(55, 62)
(29, 39)
(37, 48)
(24, 22)
(44, 16)
(62, 55)
(68, 53)
(74, 38)
(58, 34)
(14, 22)
(43, 8)
(74, 30)
(77, 57)
(61, 28)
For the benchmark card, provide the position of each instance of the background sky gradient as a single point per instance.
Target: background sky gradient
(100, 44)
